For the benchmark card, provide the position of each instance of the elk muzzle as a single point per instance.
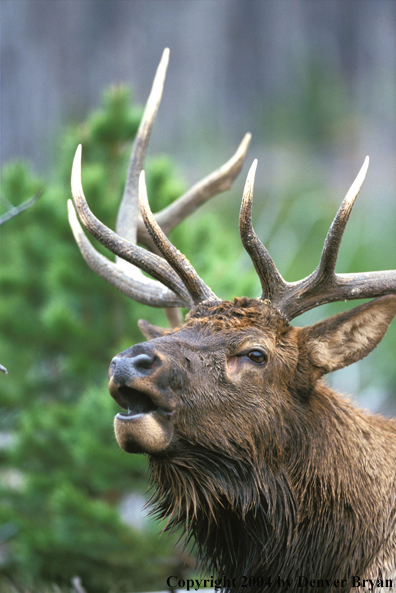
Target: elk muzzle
(137, 384)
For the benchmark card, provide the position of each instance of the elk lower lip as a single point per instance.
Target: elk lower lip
(135, 416)
(129, 416)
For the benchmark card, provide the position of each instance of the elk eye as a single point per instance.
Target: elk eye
(257, 356)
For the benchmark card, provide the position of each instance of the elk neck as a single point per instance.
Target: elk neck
(252, 516)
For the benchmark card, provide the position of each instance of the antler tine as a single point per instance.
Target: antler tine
(146, 261)
(216, 182)
(333, 240)
(138, 287)
(271, 281)
(195, 286)
(323, 285)
(128, 213)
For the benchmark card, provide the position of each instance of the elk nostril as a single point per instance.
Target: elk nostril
(123, 370)
(145, 361)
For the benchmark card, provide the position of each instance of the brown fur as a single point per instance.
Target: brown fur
(269, 471)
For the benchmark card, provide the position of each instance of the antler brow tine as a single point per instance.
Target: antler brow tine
(323, 285)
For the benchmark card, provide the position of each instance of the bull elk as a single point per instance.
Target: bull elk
(275, 476)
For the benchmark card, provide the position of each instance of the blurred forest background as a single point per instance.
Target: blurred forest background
(315, 83)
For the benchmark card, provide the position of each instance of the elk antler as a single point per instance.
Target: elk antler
(323, 285)
(271, 281)
(195, 286)
(125, 274)
(128, 280)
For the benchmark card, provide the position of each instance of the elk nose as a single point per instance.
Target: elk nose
(123, 370)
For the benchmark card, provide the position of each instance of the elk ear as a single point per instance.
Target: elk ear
(347, 337)
(151, 331)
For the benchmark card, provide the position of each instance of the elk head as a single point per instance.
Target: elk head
(230, 391)
(230, 362)
(248, 338)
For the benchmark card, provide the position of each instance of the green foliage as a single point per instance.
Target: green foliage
(64, 476)
(117, 122)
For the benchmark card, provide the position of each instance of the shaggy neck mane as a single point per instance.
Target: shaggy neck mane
(265, 519)
(218, 502)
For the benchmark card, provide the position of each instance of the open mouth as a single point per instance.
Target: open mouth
(146, 423)
(134, 402)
